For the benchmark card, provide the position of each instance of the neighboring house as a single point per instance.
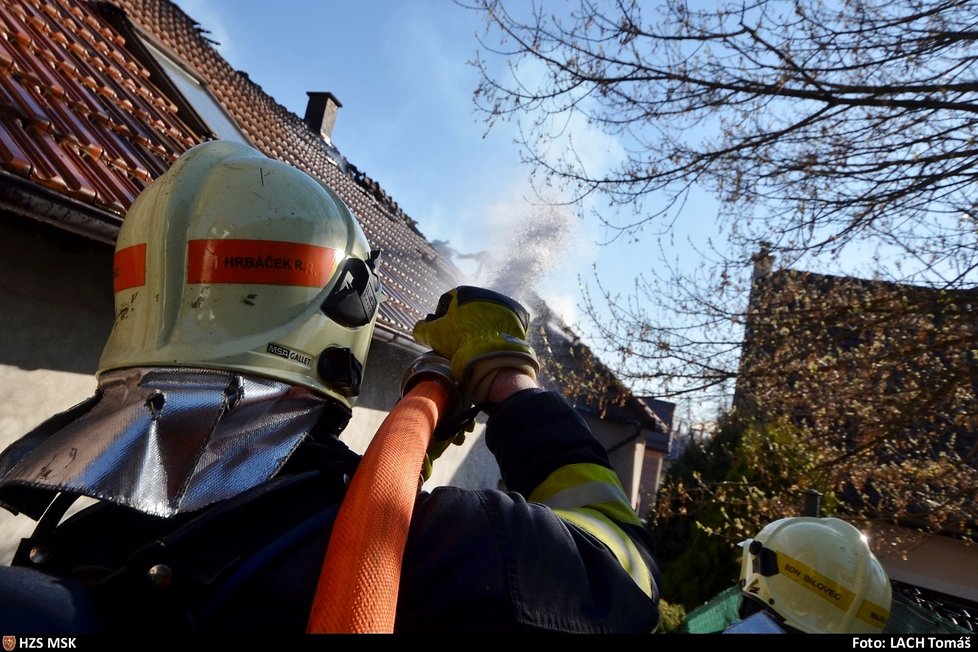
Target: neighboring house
(635, 436)
(883, 377)
(658, 451)
(96, 100)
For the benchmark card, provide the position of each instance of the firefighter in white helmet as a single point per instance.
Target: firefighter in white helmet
(240, 283)
(812, 575)
(245, 300)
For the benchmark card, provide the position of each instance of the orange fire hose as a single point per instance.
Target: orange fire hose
(360, 578)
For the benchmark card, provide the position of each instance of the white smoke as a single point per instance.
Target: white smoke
(527, 253)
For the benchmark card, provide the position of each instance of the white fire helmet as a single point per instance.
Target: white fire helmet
(232, 260)
(818, 575)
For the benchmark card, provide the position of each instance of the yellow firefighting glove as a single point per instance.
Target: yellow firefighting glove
(435, 450)
(481, 332)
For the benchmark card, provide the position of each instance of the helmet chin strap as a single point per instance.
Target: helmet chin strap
(171, 440)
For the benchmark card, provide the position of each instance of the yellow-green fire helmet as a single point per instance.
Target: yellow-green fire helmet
(232, 260)
(818, 575)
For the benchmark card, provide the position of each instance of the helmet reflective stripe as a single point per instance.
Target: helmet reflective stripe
(266, 262)
(232, 260)
(129, 268)
(832, 592)
(873, 614)
(811, 580)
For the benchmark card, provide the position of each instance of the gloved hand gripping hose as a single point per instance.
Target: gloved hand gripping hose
(360, 578)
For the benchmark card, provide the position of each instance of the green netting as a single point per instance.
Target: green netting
(905, 617)
(909, 618)
(713, 616)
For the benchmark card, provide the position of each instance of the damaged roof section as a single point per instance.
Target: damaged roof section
(570, 367)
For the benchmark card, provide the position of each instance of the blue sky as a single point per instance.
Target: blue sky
(408, 120)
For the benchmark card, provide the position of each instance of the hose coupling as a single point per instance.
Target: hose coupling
(431, 366)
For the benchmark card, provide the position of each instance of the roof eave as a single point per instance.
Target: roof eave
(389, 335)
(28, 199)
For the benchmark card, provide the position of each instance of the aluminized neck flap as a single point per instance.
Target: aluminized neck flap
(169, 440)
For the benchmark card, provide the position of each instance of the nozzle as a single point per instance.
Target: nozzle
(431, 366)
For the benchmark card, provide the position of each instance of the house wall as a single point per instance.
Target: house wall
(55, 313)
(470, 465)
(650, 479)
(627, 451)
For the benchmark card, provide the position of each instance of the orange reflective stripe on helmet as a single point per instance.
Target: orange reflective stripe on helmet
(266, 262)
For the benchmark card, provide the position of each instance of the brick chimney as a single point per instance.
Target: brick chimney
(321, 114)
(763, 260)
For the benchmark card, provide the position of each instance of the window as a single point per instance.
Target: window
(198, 96)
(195, 105)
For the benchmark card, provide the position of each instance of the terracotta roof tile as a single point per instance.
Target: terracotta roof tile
(15, 159)
(78, 110)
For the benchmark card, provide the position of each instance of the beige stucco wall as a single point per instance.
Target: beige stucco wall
(651, 478)
(55, 312)
(470, 465)
(626, 448)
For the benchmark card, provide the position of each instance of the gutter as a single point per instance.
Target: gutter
(629, 439)
(34, 201)
(387, 335)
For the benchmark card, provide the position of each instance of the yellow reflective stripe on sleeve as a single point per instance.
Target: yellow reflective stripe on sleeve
(591, 497)
(620, 544)
(599, 496)
(586, 485)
